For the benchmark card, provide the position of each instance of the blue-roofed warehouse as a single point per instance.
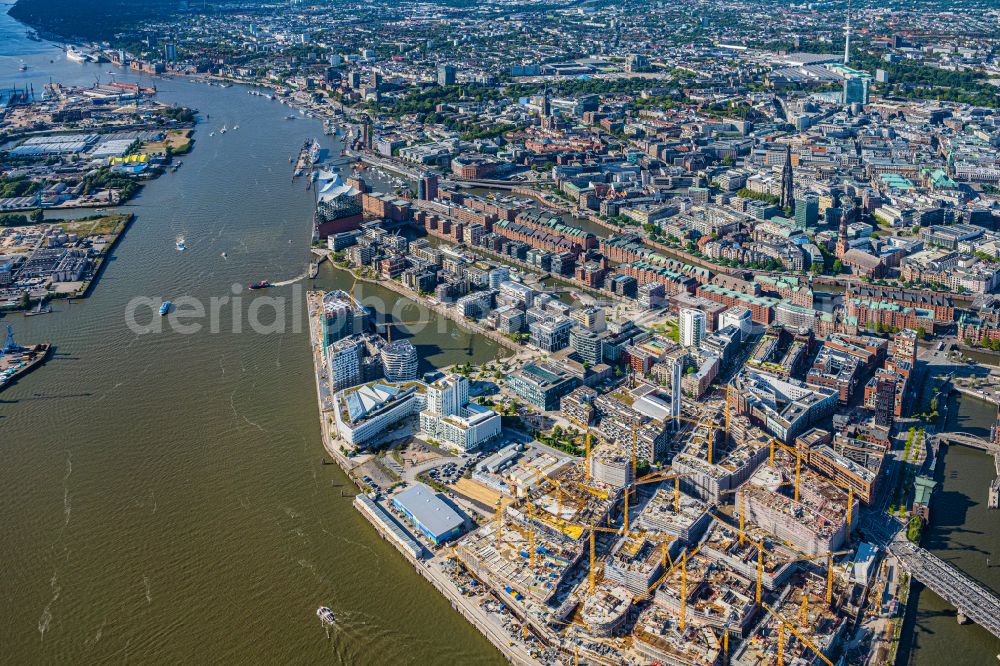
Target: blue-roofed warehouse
(431, 515)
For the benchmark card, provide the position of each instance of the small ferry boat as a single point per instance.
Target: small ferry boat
(165, 308)
(263, 284)
(180, 244)
(326, 615)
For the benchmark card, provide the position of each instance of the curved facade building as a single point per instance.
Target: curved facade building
(399, 358)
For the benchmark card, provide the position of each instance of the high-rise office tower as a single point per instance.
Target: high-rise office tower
(446, 75)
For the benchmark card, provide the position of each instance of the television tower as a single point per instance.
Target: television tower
(847, 35)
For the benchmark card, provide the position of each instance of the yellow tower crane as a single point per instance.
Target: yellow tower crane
(760, 553)
(776, 443)
(729, 393)
(531, 535)
(795, 632)
(499, 521)
(593, 562)
(742, 491)
(850, 503)
(684, 556)
(635, 453)
(392, 324)
(688, 419)
(781, 644)
(684, 590)
(829, 569)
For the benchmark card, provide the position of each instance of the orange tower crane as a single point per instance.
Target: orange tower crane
(392, 324)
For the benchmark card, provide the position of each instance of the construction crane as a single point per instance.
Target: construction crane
(829, 569)
(805, 641)
(684, 590)
(850, 503)
(593, 561)
(781, 644)
(742, 491)
(389, 325)
(531, 535)
(499, 521)
(875, 598)
(688, 419)
(635, 458)
(798, 460)
(592, 538)
(760, 553)
(686, 555)
(662, 475)
(729, 389)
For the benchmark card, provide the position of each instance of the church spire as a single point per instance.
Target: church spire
(787, 183)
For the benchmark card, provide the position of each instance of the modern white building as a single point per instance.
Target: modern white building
(692, 329)
(519, 292)
(551, 333)
(450, 418)
(399, 358)
(475, 305)
(344, 357)
(363, 413)
(497, 276)
(740, 317)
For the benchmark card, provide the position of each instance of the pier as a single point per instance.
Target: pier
(17, 361)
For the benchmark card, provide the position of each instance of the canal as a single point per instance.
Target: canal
(163, 495)
(966, 533)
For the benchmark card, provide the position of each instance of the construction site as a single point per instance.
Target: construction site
(727, 555)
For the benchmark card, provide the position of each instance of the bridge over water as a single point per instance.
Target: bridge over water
(973, 600)
(967, 439)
